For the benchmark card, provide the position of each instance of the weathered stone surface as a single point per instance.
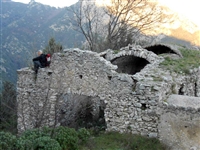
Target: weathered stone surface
(136, 103)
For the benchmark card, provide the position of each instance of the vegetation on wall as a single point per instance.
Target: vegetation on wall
(190, 60)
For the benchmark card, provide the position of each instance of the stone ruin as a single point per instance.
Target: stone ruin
(127, 89)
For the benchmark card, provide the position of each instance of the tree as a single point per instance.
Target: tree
(53, 47)
(114, 24)
(86, 19)
(8, 113)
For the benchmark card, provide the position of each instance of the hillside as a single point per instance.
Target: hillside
(27, 28)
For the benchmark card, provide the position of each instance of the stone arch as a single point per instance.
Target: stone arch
(81, 111)
(129, 64)
(162, 49)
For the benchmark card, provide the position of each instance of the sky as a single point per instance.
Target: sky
(187, 8)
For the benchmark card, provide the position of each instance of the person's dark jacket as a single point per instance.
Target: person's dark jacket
(41, 59)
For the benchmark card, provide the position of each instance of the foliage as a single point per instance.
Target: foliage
(66, 137)
(125, 141)
(7, 141)
(83, 134)
(27, 139)
(53, 47)
(46, 143)
(189, 61)
(8, 114)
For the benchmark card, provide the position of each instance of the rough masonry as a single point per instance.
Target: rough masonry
(135, 93)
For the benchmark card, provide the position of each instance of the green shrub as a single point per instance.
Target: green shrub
(27, 139)
(67, 138)
(7, 141)
(46, 143)
(83, 134)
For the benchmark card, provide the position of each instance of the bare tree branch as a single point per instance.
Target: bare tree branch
(103, 27)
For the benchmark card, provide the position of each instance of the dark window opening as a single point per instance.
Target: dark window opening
(195, 90)
(109, 77)
(160, 49)
(180, 92)
(80, 76)
(144, 107)
(49, 73)
(80, 111)
(129, 64)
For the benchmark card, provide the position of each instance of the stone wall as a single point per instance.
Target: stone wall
(133, 102)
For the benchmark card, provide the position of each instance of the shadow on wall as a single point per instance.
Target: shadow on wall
(80, 111)
(129, 64)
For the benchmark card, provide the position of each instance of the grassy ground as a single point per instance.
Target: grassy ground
(190, 60)
(118, 141)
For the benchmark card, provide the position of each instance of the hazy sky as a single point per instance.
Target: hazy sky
(188, 8)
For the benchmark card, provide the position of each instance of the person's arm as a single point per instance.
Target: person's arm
(37, 58)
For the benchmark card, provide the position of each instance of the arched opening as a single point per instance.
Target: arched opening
(160, 49)
(129, 64)
(80, 111)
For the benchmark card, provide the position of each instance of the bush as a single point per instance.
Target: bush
(7, 141)
(46, 143)
(83, 134)
(27, 139)
(67, 138)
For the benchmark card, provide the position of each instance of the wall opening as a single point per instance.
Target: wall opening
(195, 90)
(144, 106)
(160, 49)
(129, 64)
(181, 92)
(78, 111)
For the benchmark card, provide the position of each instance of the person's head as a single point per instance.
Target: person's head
(39, 52)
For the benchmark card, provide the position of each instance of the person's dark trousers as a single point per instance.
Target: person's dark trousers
(37, 64)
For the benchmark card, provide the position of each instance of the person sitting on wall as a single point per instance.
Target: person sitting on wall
(40, 61)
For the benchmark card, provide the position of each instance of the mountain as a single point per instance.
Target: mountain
(183, 28)
(26, 28)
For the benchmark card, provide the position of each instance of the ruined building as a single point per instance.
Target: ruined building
(128, 87)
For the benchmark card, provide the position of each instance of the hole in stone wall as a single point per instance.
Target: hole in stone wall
(144, 107)
(109, 77)
(80, 111)
(195, 89)
(129, 64)
(160, 49)
(49, 73)
(80, 76)
(180, 92)
(104, 56)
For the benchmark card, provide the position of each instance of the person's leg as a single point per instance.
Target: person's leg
(36, 66)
